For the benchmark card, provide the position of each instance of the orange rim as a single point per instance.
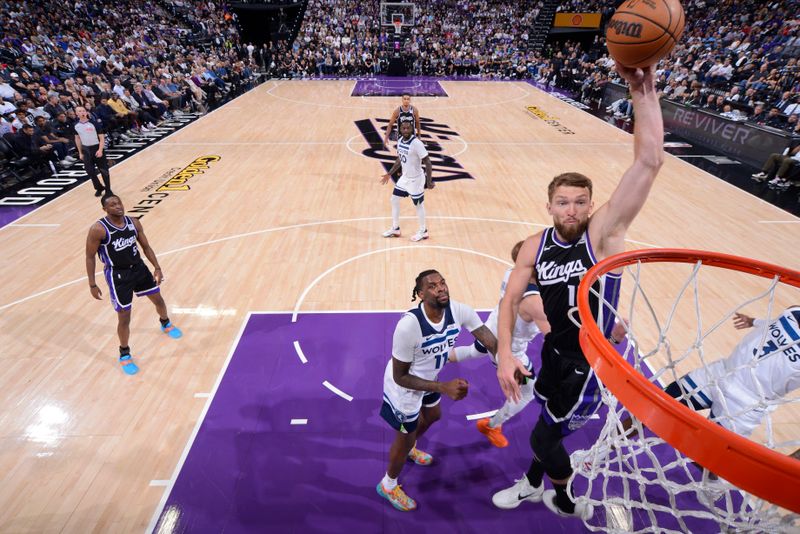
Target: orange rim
(746, 464)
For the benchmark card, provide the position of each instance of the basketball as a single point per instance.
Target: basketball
(642, 32)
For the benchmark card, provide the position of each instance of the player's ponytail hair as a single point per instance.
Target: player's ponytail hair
(418, 282)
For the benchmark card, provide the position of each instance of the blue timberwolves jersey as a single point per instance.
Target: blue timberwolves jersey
(427, 347)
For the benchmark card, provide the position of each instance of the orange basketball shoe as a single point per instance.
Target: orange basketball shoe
(494, 435)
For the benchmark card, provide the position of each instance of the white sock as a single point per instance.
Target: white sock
(388, 483)
(510, 409)
(421, 216)
(395, 201)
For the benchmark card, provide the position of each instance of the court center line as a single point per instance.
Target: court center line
(269, 230)
(359, 136)
(338, 391)
(299, 352)
(290, 227)
(298, 422)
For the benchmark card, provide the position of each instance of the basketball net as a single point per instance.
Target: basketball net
(637, 480)
(398, 27)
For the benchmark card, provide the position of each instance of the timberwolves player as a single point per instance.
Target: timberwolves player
(530, 321)
(405, 113)
(114, 239)
(558, 257)
(411, 155)
(741, 389)
(422, 342)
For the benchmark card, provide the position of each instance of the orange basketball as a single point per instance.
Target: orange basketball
(641, 32)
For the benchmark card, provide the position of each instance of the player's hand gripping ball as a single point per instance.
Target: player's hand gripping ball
(642, 32)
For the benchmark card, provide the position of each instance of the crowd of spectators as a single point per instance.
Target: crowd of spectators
(130, 65)
(735, 58)
(448, 38)
(738, 59)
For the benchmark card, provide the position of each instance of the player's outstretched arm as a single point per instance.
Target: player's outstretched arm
(507, 365)
(385, 177)
(742, 321)
(613, 218)
(487, 339)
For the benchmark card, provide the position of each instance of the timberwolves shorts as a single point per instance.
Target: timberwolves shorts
(124, 282)
(407, 423)
(567, 388)
(413, 187)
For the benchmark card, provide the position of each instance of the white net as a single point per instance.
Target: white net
(682, 326)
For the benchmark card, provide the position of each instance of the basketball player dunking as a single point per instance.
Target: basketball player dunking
(113, 238)
(558, 257)
(411, 155)
(405, 113)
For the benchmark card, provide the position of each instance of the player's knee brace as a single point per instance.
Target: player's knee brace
(546, 442)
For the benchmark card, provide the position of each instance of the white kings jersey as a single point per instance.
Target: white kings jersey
(427, 347)
(411, 153)
(524, 331)
(764, 365)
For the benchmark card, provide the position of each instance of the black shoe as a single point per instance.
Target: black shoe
(98, 192)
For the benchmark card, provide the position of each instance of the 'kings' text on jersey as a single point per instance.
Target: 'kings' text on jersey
(559, 268)
(119, 249)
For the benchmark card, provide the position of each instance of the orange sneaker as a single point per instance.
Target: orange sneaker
(397, 497)
(494, 435)
(419, 457)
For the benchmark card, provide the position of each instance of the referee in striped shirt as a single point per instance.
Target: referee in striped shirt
(90, 142)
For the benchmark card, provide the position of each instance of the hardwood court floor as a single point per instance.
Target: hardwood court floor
(289, 218)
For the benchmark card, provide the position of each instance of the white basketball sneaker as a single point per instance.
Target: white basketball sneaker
(393, 232)
(516, 494)
(420, 235)
(583, 510)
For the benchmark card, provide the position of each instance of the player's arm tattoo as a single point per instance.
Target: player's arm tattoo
(487, 339)
(400, 373)
(395, 167)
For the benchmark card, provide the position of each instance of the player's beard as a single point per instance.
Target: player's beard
(442, 305)
(572, 232)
